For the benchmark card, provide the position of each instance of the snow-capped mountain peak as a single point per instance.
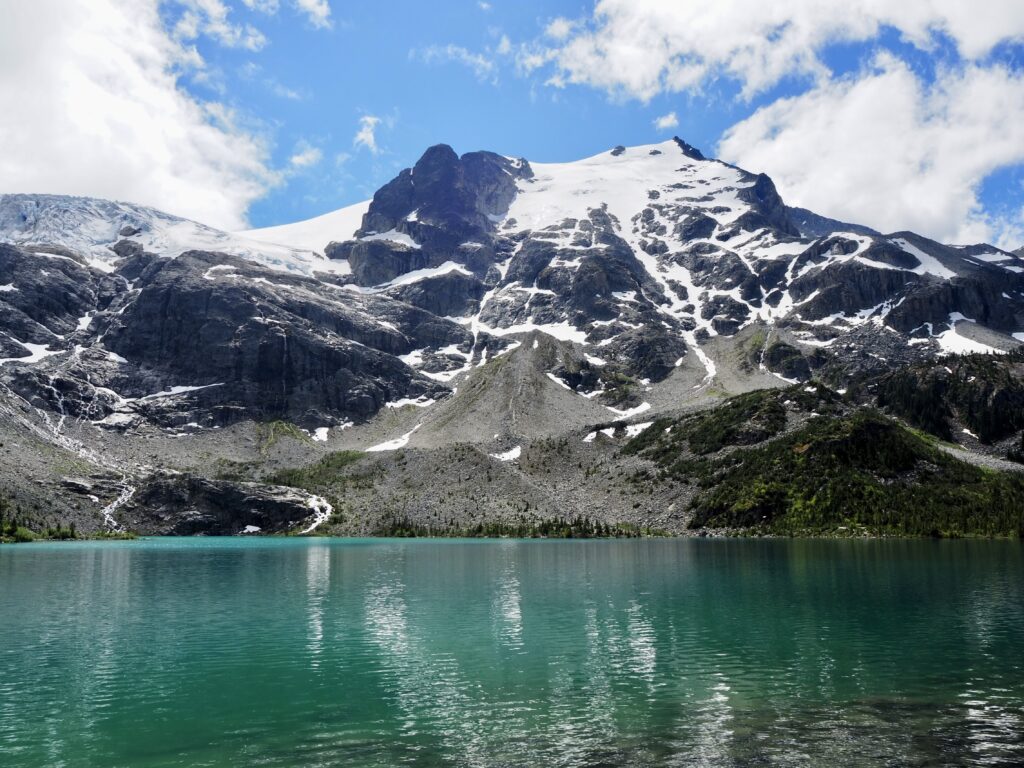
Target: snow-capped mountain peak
(92, 227)
(654, 269)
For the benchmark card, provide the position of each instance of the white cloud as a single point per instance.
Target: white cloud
(666, 122)
(481, 66)
(263, 6)
(305, 156)
(211, 18)
(532, 57)
(99, 112)
(504, 46)
(880, 147)
(366, 136)
(640, 48)
(559, 29)
(484, 6)
(317, 11)
(283, 91)
(886, 150)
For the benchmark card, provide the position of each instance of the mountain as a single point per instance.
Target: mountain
(150, 364)
(813, 225)
(91, 229)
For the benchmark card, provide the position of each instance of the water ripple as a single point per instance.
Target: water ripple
(447, 653)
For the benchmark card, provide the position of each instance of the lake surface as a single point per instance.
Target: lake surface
(289, 652)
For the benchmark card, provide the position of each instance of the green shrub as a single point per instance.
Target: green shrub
(862, 471)
(318, 474)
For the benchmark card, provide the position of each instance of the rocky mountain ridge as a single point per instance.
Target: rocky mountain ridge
(475, 299)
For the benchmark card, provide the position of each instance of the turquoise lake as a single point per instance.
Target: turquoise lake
(319, 652)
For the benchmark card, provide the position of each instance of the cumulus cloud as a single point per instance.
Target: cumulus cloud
(666, 122)
(212, 19)
(639, 48)
(559, 29)
(317, 11)
(366, 136)
(98, 111)
(884, 149)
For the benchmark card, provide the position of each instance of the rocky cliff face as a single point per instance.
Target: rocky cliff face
(659, 275)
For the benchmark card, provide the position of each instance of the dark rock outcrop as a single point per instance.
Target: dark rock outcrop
(445, 200)
(768, 210)
(275, 345)
(45, 296)
(187, 505)
(450, 295)
(811, 224)
(690, 151)
(375, 262)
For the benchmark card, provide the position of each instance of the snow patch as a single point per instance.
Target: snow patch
(559, 381)
(635, 429)
(420, 402)
(212, 272)
(37, 352)
(642, 408)
(511, 455)
(411, 277)
(929, 264)
(952, 343)
(990, 256)
(609, 432)
(393, 236)
(563, 331)
(510, 348)
(179, 391)
(394, 445)
(413, 359)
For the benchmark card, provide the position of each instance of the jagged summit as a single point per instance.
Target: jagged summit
(688, 149)
(646, 263)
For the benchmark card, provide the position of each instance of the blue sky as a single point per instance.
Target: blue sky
(383, 64)
(311, 87)
(247, 112)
